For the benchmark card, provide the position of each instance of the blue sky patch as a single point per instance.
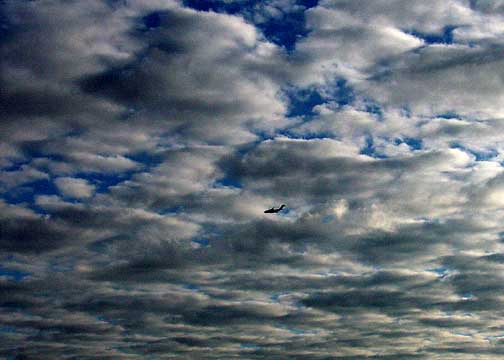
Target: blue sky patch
(27, 192)
(441, 271)
(13, 274)
(102, 181)
(284, 30)
(413, 143)
(32, 150)
(8, 329)
(302, 101)
(275, 297)
(191, 287)
(444, 37)
(341, 93)
(480, 155)
(375, 109)
(228, 181)
(327, 219)
(146, 158)
(174, 210)
(201, 242)
(448, 115)
(152, 20)
(369, 149)
(15, 165)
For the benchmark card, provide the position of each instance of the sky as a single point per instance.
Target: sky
(141, 141)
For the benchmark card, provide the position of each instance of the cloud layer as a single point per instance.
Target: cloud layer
(141, 142)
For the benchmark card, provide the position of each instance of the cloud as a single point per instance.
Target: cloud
(198, 84)
(23, 175)
(439, 79)
(143, 140)
(76, 188)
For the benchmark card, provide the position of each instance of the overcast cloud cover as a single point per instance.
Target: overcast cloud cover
(141, 140)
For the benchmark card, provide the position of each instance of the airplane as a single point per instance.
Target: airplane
(273, 210)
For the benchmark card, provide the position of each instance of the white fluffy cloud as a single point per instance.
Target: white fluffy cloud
(74, 188)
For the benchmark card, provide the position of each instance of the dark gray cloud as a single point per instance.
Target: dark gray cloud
(141, 142)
